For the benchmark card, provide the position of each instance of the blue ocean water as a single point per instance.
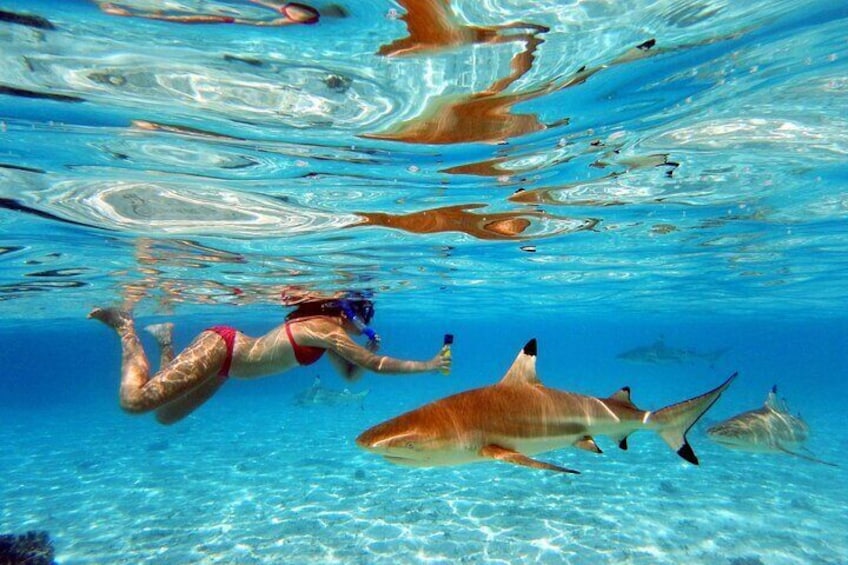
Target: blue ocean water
(599, 176)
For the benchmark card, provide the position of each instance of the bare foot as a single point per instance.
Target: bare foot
(162, 332)
(112, 317)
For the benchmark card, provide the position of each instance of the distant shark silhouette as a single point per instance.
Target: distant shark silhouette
(659, 353)
(770, 429)
(519, 417)
(317, 394)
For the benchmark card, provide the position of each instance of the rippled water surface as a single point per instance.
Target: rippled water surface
(603, 175)
(633, 156)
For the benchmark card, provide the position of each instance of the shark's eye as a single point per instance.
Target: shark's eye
(410, 445)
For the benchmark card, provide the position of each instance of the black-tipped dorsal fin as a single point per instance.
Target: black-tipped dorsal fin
(622, 396)
(523, 369)
(773, 402)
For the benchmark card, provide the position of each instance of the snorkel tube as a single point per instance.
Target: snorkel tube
(351, 314)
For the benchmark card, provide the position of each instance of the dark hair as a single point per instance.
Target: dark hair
(360, 307)
(363, 309)
(314, 308)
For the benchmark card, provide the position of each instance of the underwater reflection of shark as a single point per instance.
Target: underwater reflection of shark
(658, 353)
(317, 394)
(519, 417)
(770, 429)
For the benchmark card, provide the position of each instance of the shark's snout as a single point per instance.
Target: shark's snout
(365, 440)
(397, 441)
(385, 438)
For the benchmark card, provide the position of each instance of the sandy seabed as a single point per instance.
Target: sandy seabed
(280, 483)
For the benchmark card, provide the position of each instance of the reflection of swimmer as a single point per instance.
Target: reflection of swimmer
(498, 225)
(482, 116)
(291, 12)
(432, 25)
(187, 380)
(317, 394)
(561, 195)
(146, 125)
(485, 116)
(155, 258)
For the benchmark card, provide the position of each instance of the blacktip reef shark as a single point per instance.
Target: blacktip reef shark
(317, 394)
(770, 429)
(519, 417)
(659, 353)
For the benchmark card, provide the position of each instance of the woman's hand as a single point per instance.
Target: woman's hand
(442, 361)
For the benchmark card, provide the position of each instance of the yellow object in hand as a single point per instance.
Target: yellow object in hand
(446, 351)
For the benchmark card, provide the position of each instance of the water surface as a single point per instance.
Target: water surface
(598, 176)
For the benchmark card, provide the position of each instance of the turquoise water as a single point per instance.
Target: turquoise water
(611, 192)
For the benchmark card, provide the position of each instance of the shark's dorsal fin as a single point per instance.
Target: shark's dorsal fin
(622, 395)
(523, 369)
(771, 397)
(774, 402)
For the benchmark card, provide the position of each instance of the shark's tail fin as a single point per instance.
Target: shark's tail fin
(673, 422)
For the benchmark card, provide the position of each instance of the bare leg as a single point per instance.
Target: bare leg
(118, 10)
(191, 368)
(178, 409)
(134, 365)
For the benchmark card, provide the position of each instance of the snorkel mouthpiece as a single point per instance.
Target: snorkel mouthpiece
(372, 335)
(348, 310)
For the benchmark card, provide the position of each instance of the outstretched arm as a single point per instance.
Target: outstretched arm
(341, 344)
(345, 368)
(336, 340)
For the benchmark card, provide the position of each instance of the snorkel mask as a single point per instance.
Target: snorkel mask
(355, 312)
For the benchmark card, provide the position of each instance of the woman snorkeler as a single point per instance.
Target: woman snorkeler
(187, 380)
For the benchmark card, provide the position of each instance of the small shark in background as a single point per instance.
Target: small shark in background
(770, 429)
(519, 417)
(317, 394)
(658, 353)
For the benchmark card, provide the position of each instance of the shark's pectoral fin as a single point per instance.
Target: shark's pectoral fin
(516, 458)
(622, 442)
(807, 457)
(588, 443)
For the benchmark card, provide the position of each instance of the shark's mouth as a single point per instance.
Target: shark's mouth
(402, 460)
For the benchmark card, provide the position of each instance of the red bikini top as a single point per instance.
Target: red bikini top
(304, 354)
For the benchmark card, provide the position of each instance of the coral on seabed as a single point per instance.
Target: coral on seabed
(31, 548)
